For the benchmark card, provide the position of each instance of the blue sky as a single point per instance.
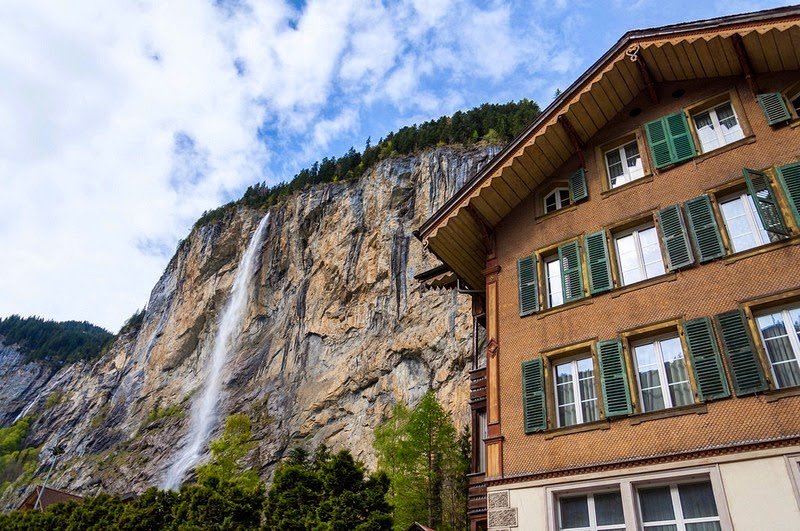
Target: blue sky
(121, 122)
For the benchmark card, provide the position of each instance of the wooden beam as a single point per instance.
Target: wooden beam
(487, 233)
(577, 143)
(644, 71)
(744, 62)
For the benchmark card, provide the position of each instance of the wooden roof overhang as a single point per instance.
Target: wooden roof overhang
(457, 232)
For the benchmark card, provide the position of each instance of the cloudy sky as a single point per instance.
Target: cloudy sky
(122, 121)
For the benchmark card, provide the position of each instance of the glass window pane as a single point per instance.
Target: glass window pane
(706, 132)
(704, 526)
(668, 527)
(554, 290)
(574, 512)
(608, 508)
(652, 399)
(567, 415)
(656, 504)
(697, 500)
(550, 203)
(564, 196)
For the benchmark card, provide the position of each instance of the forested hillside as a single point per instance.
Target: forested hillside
(39, 339)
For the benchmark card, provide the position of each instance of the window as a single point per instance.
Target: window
(555, 291)
(743, 222)
(662, 375)
(481, 429)
(717, 127)
(479, 342)
(624, 164)
(684, 507)
(780, 333)
(591, 512)
(555, 200)
(576, 396)
(639, 255)
(796, 104)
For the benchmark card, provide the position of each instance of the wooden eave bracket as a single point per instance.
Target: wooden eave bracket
(644, 71)
(744, 62)
(577, 143)
(487, 232)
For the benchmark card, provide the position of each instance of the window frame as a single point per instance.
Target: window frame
(593, 526)
(679, 520)
(627, 484)
(636, 135)
(559, 204)
(623, 157)
(572, 360)
(546, 261)
(794, 341)
(624, 233)
(716, 125)
(753, 219)
(664, 383)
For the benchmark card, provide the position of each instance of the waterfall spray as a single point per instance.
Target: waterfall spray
(204, 410)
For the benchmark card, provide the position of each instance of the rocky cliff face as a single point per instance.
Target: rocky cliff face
(336, 333)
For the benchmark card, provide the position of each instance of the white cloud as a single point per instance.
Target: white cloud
(120, 122)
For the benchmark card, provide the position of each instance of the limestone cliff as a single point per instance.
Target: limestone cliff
(338, 331)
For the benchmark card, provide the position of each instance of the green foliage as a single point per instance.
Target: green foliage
(328, 492)
(16, 459)
(227, 454)
(491, 122)
(427, 464)
(53, 399)
(134, 322)
(158, 413)
(66, 341)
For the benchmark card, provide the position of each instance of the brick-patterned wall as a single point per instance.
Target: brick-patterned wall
(702, 290)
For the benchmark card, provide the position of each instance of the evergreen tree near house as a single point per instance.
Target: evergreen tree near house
(427, 464)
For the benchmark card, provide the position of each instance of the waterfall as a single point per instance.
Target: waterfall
(204, 410)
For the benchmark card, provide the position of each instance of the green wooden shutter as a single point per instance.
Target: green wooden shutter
(789, 176)
(569, 255)
(528, 286)
(774, 107)
(578, 190)
(614, 379)
(597, 262)
(706, 363)
(533, 402)
(703, 228)
(764, 198)
(748, 376)
(676, 241)
(680, 137)
(670, 140)
(659, 144)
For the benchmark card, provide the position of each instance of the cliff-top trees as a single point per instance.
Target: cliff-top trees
(420, 452)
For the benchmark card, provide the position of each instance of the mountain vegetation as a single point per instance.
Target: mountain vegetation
(491, 122)
(17, 460)
(53, 341)
(328, 492)
(427, 464)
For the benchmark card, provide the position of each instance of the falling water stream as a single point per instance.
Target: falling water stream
(204, 410)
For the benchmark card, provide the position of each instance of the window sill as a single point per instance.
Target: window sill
(727, 147)
(579, 428)
(647, 178)
(696, 409)
(761, 249)
(778, 394)
(667, 277)
(564, 307)
(550, 215)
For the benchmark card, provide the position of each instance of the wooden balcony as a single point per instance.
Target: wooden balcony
(476, 500)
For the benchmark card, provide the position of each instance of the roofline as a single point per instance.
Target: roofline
(557, 103)
(432, 272)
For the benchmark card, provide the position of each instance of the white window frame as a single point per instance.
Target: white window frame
(662, 372)
(592, 514)
(794, 342)
(576, 388)
(639, 253)
(626, 177)
(548, 291)
(753, 220)
(627, 485)
(559, 203)
(793, 462)
(712, 113)
(679, 521)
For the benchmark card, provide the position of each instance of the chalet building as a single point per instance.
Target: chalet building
(635, 261)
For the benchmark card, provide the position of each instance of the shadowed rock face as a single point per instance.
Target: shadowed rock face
(336, 333)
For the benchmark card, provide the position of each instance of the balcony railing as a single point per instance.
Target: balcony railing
(477, 385)
(476, 501)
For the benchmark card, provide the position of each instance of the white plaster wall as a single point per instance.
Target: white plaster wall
(760, 495)
(531, 505)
